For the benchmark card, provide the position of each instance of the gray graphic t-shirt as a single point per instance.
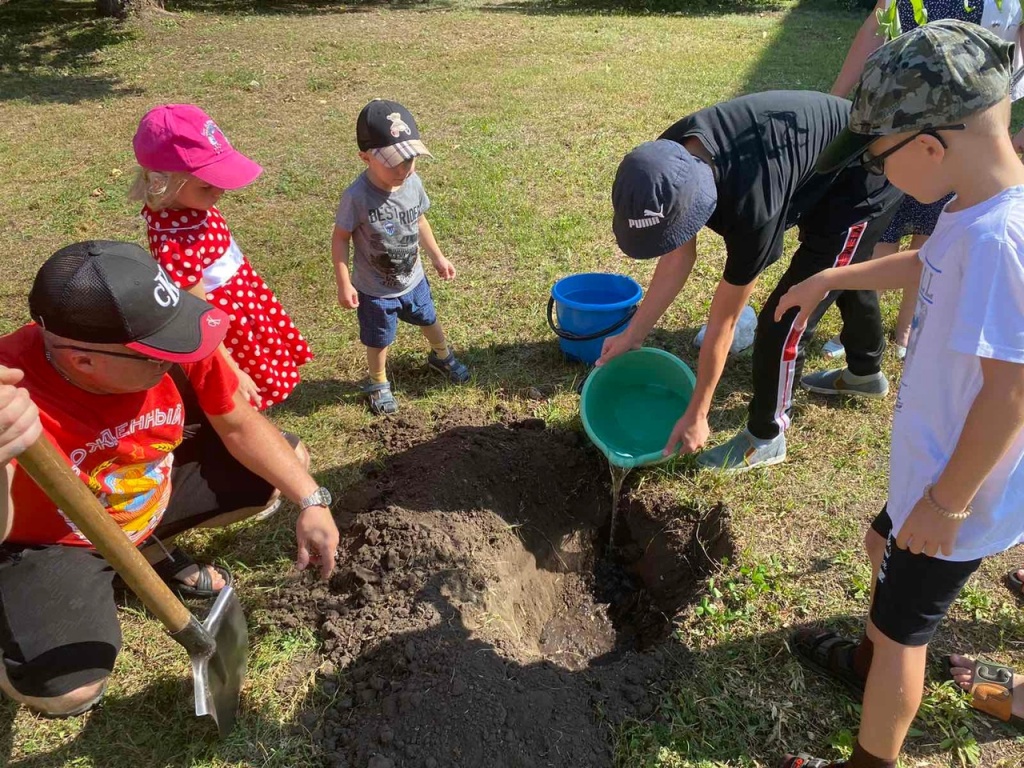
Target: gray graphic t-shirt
(385, 229)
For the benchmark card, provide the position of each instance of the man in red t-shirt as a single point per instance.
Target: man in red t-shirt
(121, 370)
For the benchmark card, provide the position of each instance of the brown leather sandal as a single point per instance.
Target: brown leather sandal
(991, 690)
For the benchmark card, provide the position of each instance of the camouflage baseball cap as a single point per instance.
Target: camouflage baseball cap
(934, 75)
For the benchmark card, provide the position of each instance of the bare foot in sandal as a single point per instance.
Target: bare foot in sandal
(190, 577)
(996, 690)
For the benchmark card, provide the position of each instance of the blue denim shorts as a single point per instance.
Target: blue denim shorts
(378, 318)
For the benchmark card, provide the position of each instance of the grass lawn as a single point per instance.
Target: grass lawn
(528, 107)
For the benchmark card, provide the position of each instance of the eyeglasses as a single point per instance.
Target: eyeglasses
(876, 163)
(125, 355)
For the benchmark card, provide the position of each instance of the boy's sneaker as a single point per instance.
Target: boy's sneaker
(449, 367)
(833, 349)
(382, 401)
(743, 453)
(841, 382)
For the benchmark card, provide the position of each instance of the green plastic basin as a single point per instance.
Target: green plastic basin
(630, 405)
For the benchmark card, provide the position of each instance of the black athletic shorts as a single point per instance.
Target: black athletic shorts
(913, 592)
(58, 621)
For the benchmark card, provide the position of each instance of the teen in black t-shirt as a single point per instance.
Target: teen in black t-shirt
(745, 169)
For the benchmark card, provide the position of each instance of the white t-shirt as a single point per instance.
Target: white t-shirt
(970, 305)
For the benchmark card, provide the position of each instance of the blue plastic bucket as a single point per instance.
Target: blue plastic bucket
(591, 307)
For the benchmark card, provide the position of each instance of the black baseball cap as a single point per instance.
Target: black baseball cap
(662, 196)
(108, 292)
(387, 129)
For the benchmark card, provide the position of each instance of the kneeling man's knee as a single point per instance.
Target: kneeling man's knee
(70, 704)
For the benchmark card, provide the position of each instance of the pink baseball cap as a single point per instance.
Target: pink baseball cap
(181, 138)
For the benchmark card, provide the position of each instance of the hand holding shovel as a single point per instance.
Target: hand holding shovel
(218, 647)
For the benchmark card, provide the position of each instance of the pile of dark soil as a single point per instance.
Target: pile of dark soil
(477, 619)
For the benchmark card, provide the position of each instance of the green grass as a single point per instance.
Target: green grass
(528, 108)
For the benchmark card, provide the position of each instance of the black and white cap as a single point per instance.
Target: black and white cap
(662, 196)
(108, 292)
(387, 129)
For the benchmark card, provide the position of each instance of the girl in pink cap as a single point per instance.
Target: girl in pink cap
(186, 165)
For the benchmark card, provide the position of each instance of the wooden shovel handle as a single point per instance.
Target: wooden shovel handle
(52, 474)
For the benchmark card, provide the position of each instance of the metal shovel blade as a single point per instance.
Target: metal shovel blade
(219, 651)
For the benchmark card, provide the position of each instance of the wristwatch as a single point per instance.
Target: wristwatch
(321, 497)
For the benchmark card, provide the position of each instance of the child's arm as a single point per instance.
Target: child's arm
(245, 383)
(901, 270)
(444, 268)
(864, 44)
(670, 275)
(992, 425)
(348, 296)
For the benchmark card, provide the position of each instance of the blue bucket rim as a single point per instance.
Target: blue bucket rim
(620, 460)
(578, 305)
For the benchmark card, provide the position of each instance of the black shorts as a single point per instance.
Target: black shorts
(58, 621)
(913, 592)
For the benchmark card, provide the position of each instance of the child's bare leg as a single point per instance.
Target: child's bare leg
(376, 364)
(892, 695)
(436, 338)
(884, 249)
(874, 544)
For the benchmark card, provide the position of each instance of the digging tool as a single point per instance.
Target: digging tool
(218, 648)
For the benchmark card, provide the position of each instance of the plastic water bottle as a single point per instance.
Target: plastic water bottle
(746, 328)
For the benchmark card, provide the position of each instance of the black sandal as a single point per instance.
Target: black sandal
(1014, 584)
(178, 560)
(829, 654)
(806, 761)
(991, 690)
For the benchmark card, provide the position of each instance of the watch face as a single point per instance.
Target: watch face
(325, 496)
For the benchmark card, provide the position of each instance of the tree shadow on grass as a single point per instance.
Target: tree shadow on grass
(48, 52)
(689, 8)
(675, 8)
(301, 7)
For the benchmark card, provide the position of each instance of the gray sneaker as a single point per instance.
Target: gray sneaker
(834, 382)
(743, 453)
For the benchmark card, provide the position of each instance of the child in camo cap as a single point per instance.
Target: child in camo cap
(932, 113)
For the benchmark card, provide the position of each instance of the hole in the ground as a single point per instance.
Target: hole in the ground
(475, 612)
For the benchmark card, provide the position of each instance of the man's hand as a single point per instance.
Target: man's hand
(927, 531)
(614, 346)
(317, 537)
(445, 269)
(19, 418)
(690, 433)
(806, 295)
(348, 296)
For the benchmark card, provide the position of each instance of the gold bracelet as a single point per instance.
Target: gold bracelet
(942, 510)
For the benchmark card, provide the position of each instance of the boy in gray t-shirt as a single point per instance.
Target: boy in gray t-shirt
(382, 213)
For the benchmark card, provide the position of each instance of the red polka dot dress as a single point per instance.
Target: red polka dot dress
(192, 245)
